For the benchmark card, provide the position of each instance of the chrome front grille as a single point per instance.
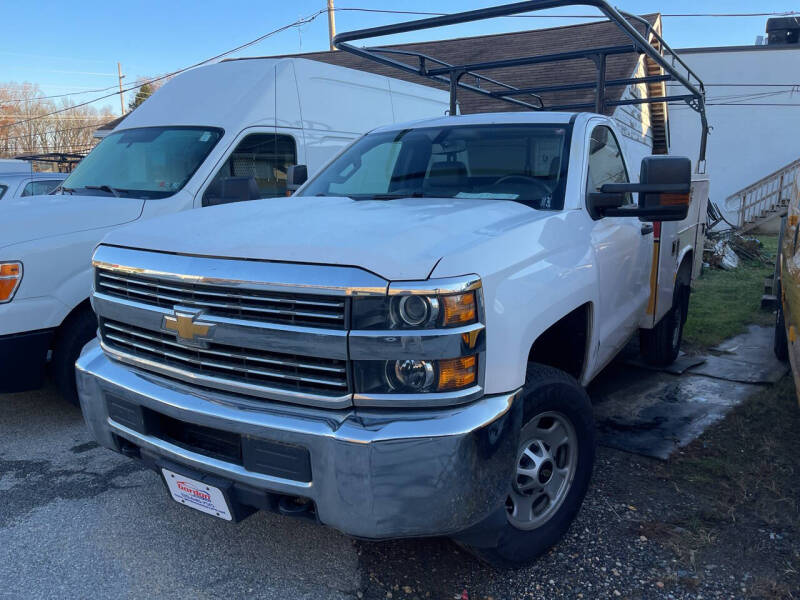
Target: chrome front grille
(222, 363)
(253, 305)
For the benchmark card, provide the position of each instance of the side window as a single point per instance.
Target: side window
(256, 169)
(3, 189)
(606, 164)
(40, 187)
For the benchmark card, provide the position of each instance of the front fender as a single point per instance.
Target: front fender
(533, 275)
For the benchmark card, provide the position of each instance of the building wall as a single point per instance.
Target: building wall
(634, 124)
(746, 142)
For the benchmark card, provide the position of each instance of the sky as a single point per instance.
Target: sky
(70, 47)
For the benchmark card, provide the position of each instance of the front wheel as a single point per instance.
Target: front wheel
(660, 346)
(73, 335)
(553, 466)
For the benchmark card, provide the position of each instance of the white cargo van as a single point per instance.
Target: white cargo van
(222, 133)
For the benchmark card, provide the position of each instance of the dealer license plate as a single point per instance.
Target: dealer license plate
(196, 494)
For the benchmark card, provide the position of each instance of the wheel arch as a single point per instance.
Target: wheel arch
(685, 261)
(566, 343)
(83, 305)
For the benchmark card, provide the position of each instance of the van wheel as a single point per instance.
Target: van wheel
(660, 346)
(780, 344)
(73, 335)
(554, 463)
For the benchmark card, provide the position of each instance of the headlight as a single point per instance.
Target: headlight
(415, 311)
(423, 338)
(407, 376)
(10, 278)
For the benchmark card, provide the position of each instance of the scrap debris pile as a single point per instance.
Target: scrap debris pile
(724, 249)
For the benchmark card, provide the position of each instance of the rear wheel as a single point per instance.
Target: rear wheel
(74, 334)
(553, 467)
(660, 346)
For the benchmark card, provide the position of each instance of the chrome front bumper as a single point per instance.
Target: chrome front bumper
(374, 473)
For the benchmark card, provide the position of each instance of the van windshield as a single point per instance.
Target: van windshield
(522, 163)
(147, 162)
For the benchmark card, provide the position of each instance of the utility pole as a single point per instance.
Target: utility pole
(331, 23)
(121, 99)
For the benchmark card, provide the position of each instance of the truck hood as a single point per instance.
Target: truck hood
(38, 217)
(396, 239)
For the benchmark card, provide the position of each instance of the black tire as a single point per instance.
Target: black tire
(660, 346)
(547, 390)
(72, 336)
(780, 343)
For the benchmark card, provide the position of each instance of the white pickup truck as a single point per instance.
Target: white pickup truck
(400, 348)
(183, 148)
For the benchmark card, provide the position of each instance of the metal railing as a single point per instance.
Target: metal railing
(767, 197)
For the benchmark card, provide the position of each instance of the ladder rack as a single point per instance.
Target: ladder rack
(693, 91)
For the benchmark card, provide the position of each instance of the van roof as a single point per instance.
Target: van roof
(288, 92)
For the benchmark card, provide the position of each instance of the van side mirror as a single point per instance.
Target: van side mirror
(296, 176)
(664, 189)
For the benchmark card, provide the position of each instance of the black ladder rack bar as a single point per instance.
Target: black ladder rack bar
(423, 70)
(584, 86)
(535, 60)
(451, 75)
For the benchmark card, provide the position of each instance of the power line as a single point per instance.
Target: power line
(297, 23)
(787, 13)
(35, 98)
(17, 137)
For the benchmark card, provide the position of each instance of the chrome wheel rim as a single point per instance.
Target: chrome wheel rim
(545, 469)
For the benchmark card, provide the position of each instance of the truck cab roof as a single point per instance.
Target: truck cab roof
(498, 118)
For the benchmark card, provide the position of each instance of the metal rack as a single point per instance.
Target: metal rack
(451, 75)
(64, 161)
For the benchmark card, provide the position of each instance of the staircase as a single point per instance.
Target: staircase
(658, 110)
(767, 198)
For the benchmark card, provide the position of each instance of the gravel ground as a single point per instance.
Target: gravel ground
(79, 521)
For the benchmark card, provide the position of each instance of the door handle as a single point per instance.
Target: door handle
(647, 228)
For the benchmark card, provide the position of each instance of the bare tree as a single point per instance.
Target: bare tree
(32, 124)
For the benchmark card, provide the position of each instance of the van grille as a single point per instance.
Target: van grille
(252, 305)
(295, 373)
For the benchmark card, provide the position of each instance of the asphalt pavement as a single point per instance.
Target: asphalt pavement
(79, 521)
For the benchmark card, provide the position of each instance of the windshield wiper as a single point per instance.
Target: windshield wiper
(67, 190)
(104, 188)
(390, 196)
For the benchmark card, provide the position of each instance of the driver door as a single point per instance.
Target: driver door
(622, 248)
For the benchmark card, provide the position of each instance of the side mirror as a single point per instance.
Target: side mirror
(296, 176)
(664, 188)
(669, 179)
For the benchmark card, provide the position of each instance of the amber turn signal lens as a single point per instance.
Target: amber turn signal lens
(674, 199)
(460, 309)
(10, 276)
(457, 373)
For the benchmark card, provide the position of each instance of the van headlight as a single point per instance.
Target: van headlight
(10, 278)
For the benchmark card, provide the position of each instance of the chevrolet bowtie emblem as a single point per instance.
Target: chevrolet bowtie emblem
(188, 330)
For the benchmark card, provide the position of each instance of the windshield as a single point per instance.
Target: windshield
(148, 162)
(523, 163)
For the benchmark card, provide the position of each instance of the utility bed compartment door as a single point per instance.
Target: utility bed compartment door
(671, 243)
